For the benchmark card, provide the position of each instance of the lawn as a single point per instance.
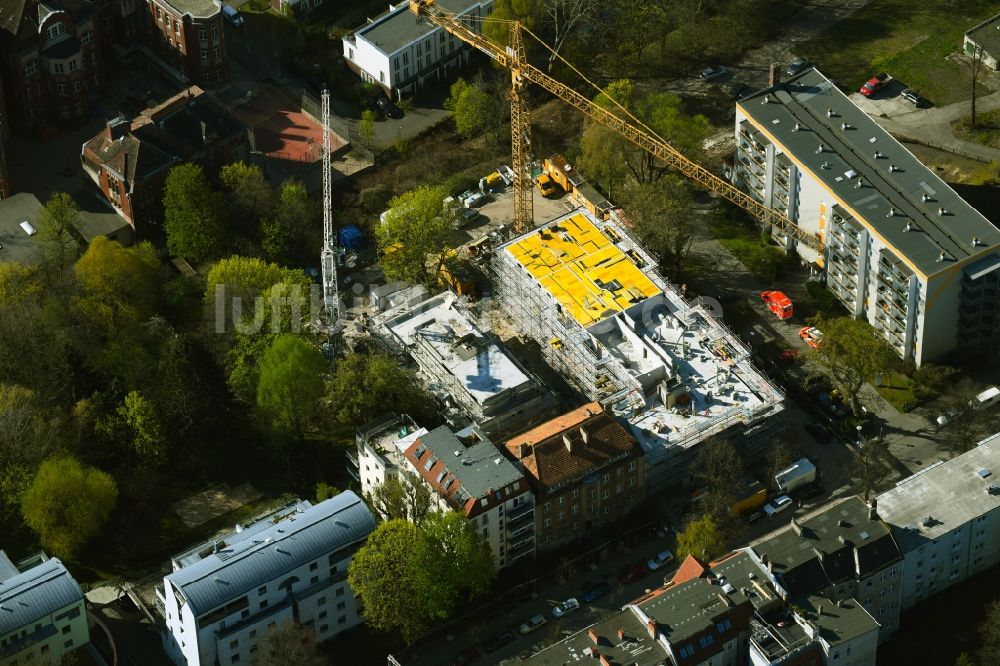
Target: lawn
(897, 389)
(986, 132)
(910, 40)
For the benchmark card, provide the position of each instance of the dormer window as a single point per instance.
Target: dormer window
(56, 30)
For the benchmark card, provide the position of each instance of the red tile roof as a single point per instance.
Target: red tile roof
(690, 568)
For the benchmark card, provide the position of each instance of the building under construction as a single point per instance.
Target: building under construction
(462, 364)
(593, 300)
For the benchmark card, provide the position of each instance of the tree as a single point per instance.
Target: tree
(28, 432)
(413, 239)
(661, 214)
(295, 216)
(702, 538)
(290, 384)
(194, 214)
(976, 66)
(59, 229)
(366, 128)
(362, 385)
(383, 574)
(289, 644)
(401, 498)
(67, 504)
(145, 429)
(469, 105)
(870, 464)
(455, 562)
(566, 18)
(989, 635)
(964, 660)
(964, 426)
(251, 196)
(527, 12)
(851, 353)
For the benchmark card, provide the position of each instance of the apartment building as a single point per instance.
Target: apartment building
(586, 470)
(902, 250)
(468, 474)
(189, 36)
(128, 162)
(946, 520)
(461, 363)
(590, 296)
(842, 551)
(52, 62)
(380, 447)
(400, 52)
(224, 595)
(42, 613)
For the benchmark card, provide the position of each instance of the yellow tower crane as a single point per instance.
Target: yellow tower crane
(622, 121)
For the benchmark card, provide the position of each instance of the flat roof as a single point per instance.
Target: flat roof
(943, 496)
(635, 649)
(987, 35)
(839, 622)
(15, 243)
(850, 138)
(398, 26)
(479, 365)
(587, 274)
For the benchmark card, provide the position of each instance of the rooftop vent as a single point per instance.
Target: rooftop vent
(940, 257)
(877, 155)
(908, 227)
(844, 127)
(892, 168)
(975, 241)
(924, 197)
(819, 149)
(28, 228)
(928, 521)
(984, 473)
(942, 212)
(766, 100)
(891, 213)
(829, 113)
(796, 128)
(993, 489)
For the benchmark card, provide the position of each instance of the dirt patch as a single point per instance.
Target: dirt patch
(214, 502)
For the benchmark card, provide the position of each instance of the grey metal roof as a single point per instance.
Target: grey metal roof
(395, 29)
(7, 568)
(850, 139)
(237, 568)
(478, 468)
(950, 493)
(987, 36)
(35, 593)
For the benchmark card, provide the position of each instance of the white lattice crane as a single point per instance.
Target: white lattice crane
(328, 255)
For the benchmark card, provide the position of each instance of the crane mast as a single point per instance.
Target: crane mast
(629, 127)
(328, 255)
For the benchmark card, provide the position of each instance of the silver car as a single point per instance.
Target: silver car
(571, 605)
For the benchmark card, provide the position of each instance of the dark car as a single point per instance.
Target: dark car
(913, 97)
(796, 66)
(498, 642)
(468, 656)
(595, 592)
(712, 72)
(632, 574)
(818, 431)
(388, 108)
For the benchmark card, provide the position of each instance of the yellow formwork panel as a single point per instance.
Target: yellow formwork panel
(585, 272)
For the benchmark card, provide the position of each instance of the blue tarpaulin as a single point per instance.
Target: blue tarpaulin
(351, 237)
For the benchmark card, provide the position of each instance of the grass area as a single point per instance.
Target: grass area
(986, 132)
(910, 40)
(765, 260)
(898, 390)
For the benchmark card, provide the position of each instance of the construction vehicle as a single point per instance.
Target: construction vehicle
(619, 119)
(546, 185)
(561, 172)
(491, 183)
(778, 303)
(802, 473)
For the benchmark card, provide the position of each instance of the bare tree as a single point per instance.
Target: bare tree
(870, 465)
(977, 64)
(566, 17)
(965, 425)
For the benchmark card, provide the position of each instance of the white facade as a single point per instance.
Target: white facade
(903, 250)
(380, 450)
(946, 519)
(400, 53)
(224, 596)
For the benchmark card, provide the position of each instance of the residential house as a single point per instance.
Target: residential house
(946, 520)
(128, 162)
(400, 52)
(586, 470)
(223, 596)
(380, 448)
(42, 613)
(468, 474)
(189, 36)
(52, 62)
(903, 250)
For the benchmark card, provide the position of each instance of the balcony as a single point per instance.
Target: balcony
(515, 515)
(526, 543)
(352, 464)
(524, 529)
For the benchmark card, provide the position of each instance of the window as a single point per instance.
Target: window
(45, 649)
(548, 521)
(705, 641)
(263, 603)
(235, 659)
(204, 55)
(215, 32)
(575, 494)
(618, 472)
(56, 30)
(73, 65)
(314, 580)
(253, 633)
(233, 644)
(64, 112)
(606, 478)
(87, 37)
(340, 591)
(262, 589)
(342, 619)
(381, 77)
(547, 506)
(313, 566)
(66, 629)
(574, 509)
(631, 466)
(562, 500)
(724, 626)
(31, 68)
(58, 67)
(350, 53)
(61, 89)
(76, 86)
(323, 627)
(606, 494)
(68, 644)
(93, 60)
(217, 53)
(686, 651)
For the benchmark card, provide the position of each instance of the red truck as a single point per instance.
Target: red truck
(874, 84)
(777, 303)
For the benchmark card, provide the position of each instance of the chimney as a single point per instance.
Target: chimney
(819, 553)
(621, 635)
(593, 636)
(523, 451)
(873, 509)
(584, 435)
(117, 128)
(796, 527)
(568, 442)
(774, 75)
(651, 628)
(819, 609)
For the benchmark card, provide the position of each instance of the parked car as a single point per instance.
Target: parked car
(632, 574)
(498, 642)
(788, 356)
(468, 656)
(913, 97)
(712, 72)
(595, 592)
(471, 199)
(818, 431)
(796, 66)
(571, 605)
(755, 516)
(388, 108)
(874, 84)
(233, 16)
(658, 560)
(811, 335)
(468, 217)
(532, 623)
(777, 505)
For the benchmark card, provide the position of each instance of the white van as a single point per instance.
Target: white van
(232, 16)
(987, 398)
